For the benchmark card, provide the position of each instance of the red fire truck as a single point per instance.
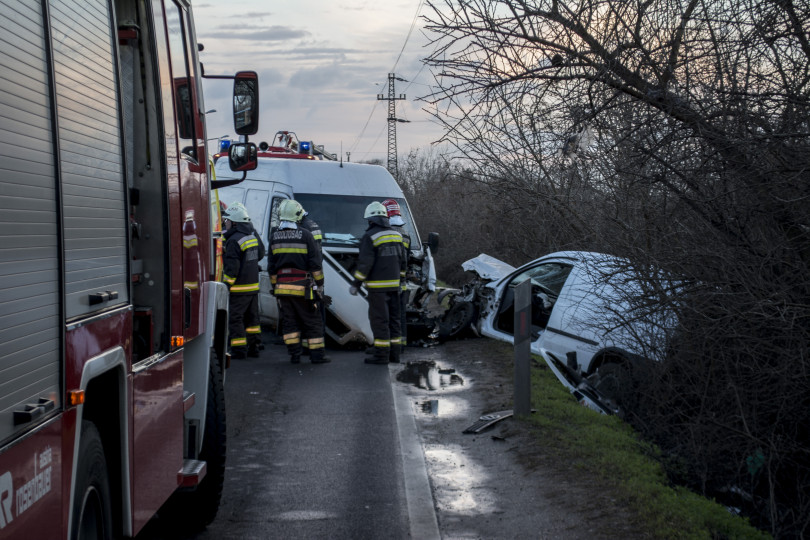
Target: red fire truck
(113, 328)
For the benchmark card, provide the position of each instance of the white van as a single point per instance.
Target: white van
(335, 194)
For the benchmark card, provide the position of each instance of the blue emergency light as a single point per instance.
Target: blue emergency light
(224, 144)
(305, 147)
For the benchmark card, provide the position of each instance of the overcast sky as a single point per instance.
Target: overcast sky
(321, 65)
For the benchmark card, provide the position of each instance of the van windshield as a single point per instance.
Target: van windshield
(341, 217)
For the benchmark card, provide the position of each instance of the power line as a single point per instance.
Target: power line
(365, 126)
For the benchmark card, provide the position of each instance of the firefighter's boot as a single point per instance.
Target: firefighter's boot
(295, 352)
(396, 352)
(381, 356)
(318, 356)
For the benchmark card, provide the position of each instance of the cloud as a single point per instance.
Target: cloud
(257, 33)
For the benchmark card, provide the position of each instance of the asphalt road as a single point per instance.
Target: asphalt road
(318, 451)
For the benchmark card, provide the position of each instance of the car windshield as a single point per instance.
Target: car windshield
(341, 217)
(549, 276)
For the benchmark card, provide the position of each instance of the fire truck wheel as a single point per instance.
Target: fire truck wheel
(92, 513)
(214, 444)
(192, 511)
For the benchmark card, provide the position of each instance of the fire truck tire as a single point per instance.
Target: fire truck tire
(194, 510)
(92, 510)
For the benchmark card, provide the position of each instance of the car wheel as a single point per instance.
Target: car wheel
(92, 513)
(614, 383)
(457, 319)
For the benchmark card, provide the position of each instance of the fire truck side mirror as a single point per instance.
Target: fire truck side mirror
(242, 157)
(246, 103)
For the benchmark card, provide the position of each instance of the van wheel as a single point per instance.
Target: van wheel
(92, 513)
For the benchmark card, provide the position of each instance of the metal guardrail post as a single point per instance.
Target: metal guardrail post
(523, 318)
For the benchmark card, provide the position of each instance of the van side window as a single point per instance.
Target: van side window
(274, 221)
(256, 204)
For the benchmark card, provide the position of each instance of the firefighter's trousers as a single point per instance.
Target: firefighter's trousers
(301, 319)
(383, 316)
(404, 295)
(243, 324)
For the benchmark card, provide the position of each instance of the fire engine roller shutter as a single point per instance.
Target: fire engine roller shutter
(29, 261)
(93, 180)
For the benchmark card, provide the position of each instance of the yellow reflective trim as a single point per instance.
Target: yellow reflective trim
(292, 335)
(359, 275)
(191, 284)
(382, 343)
(228, 279)
(317, 274)
(282, 292)
(395, 341)
(237, 342)
(247, 245)
(381, 284)
(253, 329)
(246, 287)
(289, 250)
(388, 238)
(189, 243)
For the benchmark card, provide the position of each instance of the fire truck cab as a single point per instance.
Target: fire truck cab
(113, 327)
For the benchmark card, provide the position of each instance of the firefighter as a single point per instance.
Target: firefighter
(398, 224)
(243, 251)
(297, 277)
(380, 266)
(309, 224)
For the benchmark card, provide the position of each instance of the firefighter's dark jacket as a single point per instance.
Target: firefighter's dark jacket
(243, 251)
(406, 244)
(382, 261)
(295, 261)
(310, 225)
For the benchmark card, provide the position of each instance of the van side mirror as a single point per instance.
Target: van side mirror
(242, 157)
(246, 103)
(433, 242)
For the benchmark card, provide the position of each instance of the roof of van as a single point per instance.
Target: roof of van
(311, 176)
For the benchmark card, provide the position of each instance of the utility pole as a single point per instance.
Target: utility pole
(392, 120)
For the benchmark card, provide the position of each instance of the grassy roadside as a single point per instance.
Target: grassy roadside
(606, 448)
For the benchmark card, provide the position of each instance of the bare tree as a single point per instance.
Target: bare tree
(677, 133)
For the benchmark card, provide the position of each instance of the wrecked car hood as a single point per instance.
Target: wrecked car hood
(488, 267)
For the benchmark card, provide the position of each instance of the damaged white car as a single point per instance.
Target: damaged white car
(595, 319)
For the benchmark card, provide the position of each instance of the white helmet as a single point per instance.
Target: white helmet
(237, 213)
(290, 210)
(375, 209)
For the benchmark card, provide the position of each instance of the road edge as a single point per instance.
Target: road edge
(419, 496)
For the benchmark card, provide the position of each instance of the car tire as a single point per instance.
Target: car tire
(92, 511)
(614, 382)
(457, 319)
